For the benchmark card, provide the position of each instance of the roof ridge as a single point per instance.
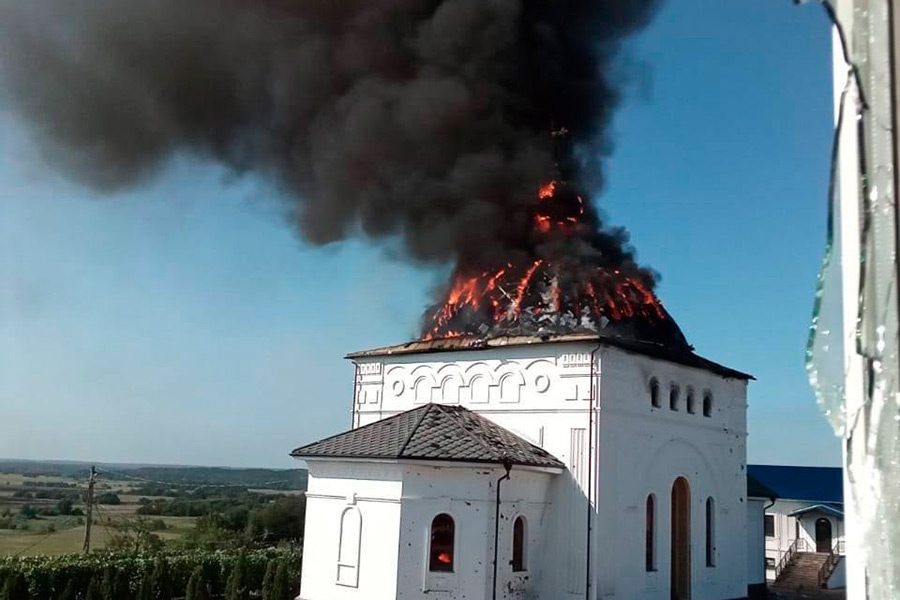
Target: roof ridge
(455, 415)
(361, 427)
(425, 410)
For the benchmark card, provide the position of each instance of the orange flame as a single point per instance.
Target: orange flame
(547, 191)
(499, 294)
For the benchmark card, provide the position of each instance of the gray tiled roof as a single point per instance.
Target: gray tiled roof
(432, 432)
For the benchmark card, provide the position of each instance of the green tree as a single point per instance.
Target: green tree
(236, 586)
(269, 579)
(107, 584)
(64, 506)
(68, 592)
(161, 582)
(145, 589)
(281, 520)
(15, 588)
(93, 591)
(28, 511)
(281, 586)
(210, 533)
(133, 535)
(108, 498)
(121, 585)
(196, 586)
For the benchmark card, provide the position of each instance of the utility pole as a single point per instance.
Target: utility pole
(90, 511)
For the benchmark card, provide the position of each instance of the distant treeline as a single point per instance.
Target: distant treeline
(279, 479)
(292, 479)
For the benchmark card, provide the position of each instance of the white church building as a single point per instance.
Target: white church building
(555, 467)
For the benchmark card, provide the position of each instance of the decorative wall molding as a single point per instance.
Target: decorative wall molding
(574, 359)
(373, 368)
(478, 382)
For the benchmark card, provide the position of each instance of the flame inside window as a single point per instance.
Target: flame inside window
(442, 539)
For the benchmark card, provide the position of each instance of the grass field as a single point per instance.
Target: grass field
(70, 540)
(42, 504)
(54, 535)
(19, 480)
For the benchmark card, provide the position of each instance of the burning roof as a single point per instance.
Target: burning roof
(570, 275)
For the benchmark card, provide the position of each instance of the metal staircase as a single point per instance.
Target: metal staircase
(799, 570)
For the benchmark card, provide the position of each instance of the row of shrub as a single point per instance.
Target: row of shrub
(270, 574)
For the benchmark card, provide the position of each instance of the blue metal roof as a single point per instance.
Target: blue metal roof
(809, 484)
(755, 489)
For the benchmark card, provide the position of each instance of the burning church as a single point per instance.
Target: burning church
(551, 435)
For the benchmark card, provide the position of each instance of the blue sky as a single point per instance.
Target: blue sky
(184, 322)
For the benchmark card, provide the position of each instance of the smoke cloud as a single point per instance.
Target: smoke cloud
(425, 119)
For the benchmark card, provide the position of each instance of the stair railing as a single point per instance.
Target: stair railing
(787, 557)
(831, 561)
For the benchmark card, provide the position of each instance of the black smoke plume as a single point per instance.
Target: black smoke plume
(429, 120)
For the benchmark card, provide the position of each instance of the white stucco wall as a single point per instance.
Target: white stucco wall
(397, 503)
(468, 494)
(374, 490)
(756, 541)
(643, 450)
(542, 392)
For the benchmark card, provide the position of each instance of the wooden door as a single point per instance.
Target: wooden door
(823, 535)
(680, 563)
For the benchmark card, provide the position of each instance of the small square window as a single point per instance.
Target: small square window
(770, 526)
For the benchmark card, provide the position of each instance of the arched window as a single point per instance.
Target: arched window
(518, 549)
(442, 539)
(654, 393)
(348, 547)
(673, 397)
(710, 532)
(650, 546)
(707, 404)
(691, 402)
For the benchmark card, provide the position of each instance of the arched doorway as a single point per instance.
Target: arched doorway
(681, 540)
(823, 535)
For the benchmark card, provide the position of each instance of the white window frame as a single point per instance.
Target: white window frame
(441, 581)
(347, 571)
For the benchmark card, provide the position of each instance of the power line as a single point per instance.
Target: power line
(37, 543)
(102, 516)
